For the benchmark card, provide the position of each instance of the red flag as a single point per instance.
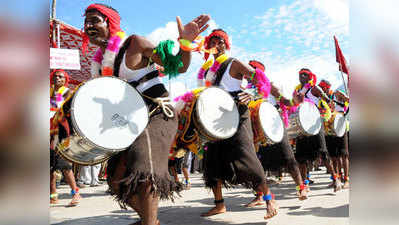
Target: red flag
(339, 57)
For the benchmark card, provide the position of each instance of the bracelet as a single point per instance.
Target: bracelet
(185, 45)
(267, 197)
(300, 187)
(252, 76)
(219, 201)
(54, 195)
(73, 192)
(279, 97)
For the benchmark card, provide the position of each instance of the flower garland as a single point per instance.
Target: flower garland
(59, 96)
(189, 96)
(346, 107)
(325, 110)
(201, 72)
(263, 84)
(211, 76)
(105, 62)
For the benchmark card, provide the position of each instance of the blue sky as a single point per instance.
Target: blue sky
(285, 35)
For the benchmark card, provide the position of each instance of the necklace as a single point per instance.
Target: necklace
(105, 62)
(213, 68)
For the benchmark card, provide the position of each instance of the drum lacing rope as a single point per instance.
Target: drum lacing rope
(164, 104)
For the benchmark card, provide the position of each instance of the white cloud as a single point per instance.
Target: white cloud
(212, 26)
(306, 24)
(169, 31)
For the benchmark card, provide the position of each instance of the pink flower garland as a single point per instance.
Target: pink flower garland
(201, 74)
(263, 84)
(187, 97)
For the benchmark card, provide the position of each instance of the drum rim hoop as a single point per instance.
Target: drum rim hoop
(84, 163)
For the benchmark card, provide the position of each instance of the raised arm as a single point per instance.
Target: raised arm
(188, 32)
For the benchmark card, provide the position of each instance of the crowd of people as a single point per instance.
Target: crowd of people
(133, 179)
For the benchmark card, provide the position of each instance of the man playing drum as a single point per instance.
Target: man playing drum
(58, 93)
(139, 176)
(342, 105)
(309, 148)
(233, 160)
(279, 155)
(335, 144)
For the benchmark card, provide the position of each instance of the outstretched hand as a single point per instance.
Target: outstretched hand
(192, 29)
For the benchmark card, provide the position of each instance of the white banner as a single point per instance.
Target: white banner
(61, 58)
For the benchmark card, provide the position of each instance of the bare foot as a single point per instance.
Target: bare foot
(346, 185)
(271, 210)
(139, 223)
(75, 200)
(255, 202)
(53, 200)
(214, 211)
(302, 195)
(337, 185)
(307, 188)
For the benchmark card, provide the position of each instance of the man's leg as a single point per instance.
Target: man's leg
(94, 172)
(219, 201)
(186, 169)
(70, 179)
(149, 204)
(53, 188)
(271, 205)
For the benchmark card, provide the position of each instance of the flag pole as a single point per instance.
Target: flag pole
(343, 79)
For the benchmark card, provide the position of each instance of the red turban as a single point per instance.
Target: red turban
(311, 75)
(113, 20)
(325, 84)
(257, 65)
(62, 71)
(216, 33)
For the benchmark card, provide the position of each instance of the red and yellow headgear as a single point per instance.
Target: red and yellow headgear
(257, 65)
(312, 76)
(216, 33)
(61, 71)
(112, 17)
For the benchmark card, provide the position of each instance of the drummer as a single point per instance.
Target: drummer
(310, 148)
(138, 177)
(233, 161)
(341, 100)
(59, 92)
(277, 156)
(332, 142)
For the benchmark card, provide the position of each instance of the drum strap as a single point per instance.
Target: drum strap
(145, 78)
(222, 70)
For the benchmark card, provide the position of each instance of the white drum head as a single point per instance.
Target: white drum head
(339, 125)
(217, 113)
(309, 118)
(109, 113)
(271, 122)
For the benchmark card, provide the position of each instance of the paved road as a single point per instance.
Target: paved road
(324, 207)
